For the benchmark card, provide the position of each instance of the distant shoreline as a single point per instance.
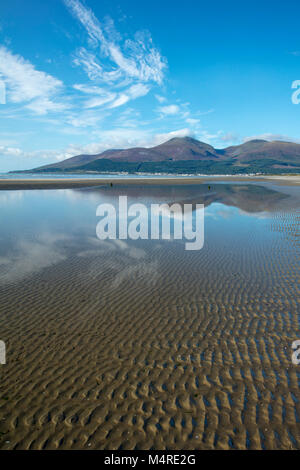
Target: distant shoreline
(68, 183)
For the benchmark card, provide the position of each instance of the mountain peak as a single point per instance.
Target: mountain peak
(186, 152)
(255, 141)
(182, 139)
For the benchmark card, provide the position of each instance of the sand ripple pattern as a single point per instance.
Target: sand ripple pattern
(170, 350)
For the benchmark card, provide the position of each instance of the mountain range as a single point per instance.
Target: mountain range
(188, 155)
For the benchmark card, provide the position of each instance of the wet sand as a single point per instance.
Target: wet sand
(146, 346)
(11, 184)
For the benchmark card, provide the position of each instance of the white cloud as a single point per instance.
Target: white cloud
(160, 99)
(272, 137)
(127, 70)
(101, 95)
(115, 99)
(122, 99)
(136, 59)
(161, 138)
(135, 91)
(89, 89)
(122, 138)
(10, 151)
(87, 18)
(169, 110)
(192, 121)
(90, 64)
(26, 84)
(96, 102)
(44, 105)
(86, 118)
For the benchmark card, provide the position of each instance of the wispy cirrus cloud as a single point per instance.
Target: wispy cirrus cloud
(99, 95)
(116, 71)
(92, 67)
(113, 99)
(135, 91)
(137, 59)
(38, 90)
(126, 69)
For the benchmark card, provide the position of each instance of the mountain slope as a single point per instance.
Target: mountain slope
(187, 149)
(175, 149)
(258, 149)
(180, 155)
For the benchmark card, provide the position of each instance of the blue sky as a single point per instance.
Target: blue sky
(84, 76)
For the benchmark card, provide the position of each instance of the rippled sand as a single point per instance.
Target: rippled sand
(147, 346)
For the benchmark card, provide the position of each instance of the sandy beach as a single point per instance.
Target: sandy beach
(127, 345)
(11, 184)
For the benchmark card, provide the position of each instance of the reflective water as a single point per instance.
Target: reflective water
(140, 343)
